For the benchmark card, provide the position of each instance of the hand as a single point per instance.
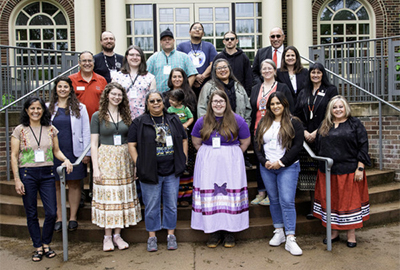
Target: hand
(200, 78)
(358, 176)
(68, 166)
(86, 160)
(96, 176)
(275, 166)
(267, 165)
(196, 84)
(19, 187)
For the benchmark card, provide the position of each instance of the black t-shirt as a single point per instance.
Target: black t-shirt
(101, 68)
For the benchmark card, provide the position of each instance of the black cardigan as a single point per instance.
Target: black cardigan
(301, 79)
(291, 155)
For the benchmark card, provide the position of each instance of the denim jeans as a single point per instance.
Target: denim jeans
(39, 179)
(281, 188)
(167, 189)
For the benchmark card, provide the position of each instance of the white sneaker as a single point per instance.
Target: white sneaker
(278, 238)
(292, 246)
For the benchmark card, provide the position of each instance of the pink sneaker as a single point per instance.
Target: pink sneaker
(108, 243)
(119, 242)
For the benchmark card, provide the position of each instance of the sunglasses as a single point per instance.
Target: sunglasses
(230, 39)
(275, 36)
(158, 100)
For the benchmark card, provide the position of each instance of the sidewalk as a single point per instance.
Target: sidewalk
(378, 248)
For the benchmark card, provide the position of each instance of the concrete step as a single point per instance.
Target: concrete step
(15, 226)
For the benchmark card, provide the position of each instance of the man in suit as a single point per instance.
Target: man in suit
(274, 52)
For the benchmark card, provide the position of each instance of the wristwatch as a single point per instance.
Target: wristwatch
(360, 169)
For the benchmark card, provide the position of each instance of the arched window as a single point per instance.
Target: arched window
(41, 25)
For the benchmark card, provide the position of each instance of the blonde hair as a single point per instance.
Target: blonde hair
(327, 123)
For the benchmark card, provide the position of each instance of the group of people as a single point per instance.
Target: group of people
(144, 145)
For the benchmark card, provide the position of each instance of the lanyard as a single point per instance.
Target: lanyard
(308, 102)
(198, 49)
(115, 61)
(272, 87)
(133, 81)
(40, 135)
(115, 124)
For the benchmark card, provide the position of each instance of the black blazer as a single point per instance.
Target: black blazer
(254, 96)
(302, 112)
(301, 79)
(262, 54)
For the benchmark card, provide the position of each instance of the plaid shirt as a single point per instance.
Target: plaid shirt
(156, 63)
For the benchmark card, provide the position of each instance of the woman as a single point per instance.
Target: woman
(292, 72)
(222, 78)
(134, 77)
(344, 139)
(258, 100)
(71, 119)
(178, 80)
(115, 204)
(220, 197)
(33, 144)
(310, 108)
(158, 147)
(278, 141)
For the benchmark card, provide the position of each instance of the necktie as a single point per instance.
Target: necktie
(275, 57)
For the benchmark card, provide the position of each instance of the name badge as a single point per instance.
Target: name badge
(39, 155)
(196, 61)
(321, 94)
(117, 139)
(80, 88)
(216, 142)
(272, 144)
(167, 70)
(168, 141)
(113, 72)
(133, 93)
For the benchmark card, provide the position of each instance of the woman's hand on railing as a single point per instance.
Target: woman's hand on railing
(68, 165)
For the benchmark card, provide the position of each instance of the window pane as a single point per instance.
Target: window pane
(60, 19)
(32, 8)
(222, 14)
(21, 44)
(145, 43)
(338, 29)
(363, 28)
(62, 34)
(208, 29)
(325, 40)
(182, 30)
(166, 14)
(259, 41)
(129, 28)
(221, 28)
(351, 29)
(21, 34)
(22, 19)
(143, 12)
(326, 15)
(35, 45)
(246, 42)
(34, 34)
(344, 15)
(179, 41)
(206, 14)
(244, 10)
(338, 39)
(165, 26)
(41, 20)
(182, 15)
(62, 46)
(48, 34)
(351, 38)
(325, 29)
(336, 5)
(219, 44)
(128, 11)
(258, 13)
(244, 26)
(259, 26)
(362, 14)
(352, 4)
(48, 45)
(143, 28)
(49, 8)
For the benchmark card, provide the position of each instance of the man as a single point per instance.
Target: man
(274, 52)
(161, 63)
(201, 53)
(107, 62)
(87, 84)
(238, 60)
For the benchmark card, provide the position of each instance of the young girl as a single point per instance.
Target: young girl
(176, 98)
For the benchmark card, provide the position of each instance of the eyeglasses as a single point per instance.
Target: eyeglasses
(134, 54)
(221, 68)
(216, 102)
(230, 39)
(275, 36)
(197, 28)
(158, 100)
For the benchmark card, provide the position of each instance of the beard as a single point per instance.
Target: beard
(108, 49)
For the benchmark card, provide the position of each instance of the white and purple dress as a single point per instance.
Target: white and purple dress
(220, 194)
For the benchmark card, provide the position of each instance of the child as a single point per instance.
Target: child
(185, 115)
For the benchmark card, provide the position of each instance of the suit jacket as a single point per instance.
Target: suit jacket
(262, 54)
(80, 128)
(301, 79)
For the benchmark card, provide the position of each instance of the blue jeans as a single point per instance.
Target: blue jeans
(167, 189)
(281, 188)
(39, 179)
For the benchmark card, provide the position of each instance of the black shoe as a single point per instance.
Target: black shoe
(336, 239)
(310, 216)
(351, 244)
(58, 226)
(229, 240)
(72, 225)
(248, 164)
(214, 240)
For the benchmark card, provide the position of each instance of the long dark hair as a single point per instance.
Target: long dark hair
(214, 76)
(72, 102)
(298, 67)
(46, 116)
(125, 69)
(190, 100)
(286, 132)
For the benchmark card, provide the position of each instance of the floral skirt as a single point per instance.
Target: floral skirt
(115, 203)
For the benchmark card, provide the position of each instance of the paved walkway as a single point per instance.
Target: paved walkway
(378, 248)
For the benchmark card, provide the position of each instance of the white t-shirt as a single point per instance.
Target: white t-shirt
(272, 147)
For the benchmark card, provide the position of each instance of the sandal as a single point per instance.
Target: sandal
(49, 253)
(37, 255)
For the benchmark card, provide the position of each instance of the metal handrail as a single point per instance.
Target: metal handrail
(61, 173)
(350, 42)
(328, 166)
